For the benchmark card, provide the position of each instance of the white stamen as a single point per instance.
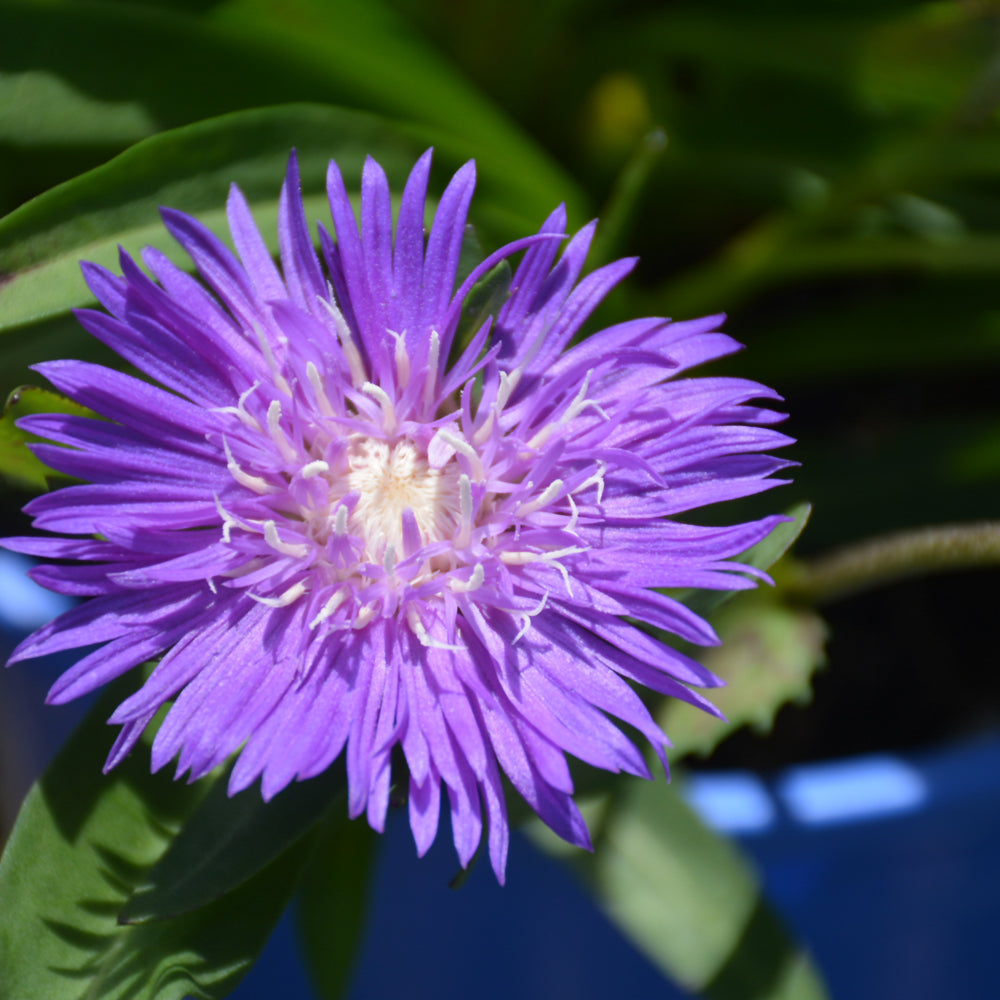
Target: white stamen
(473, 583)
(255, 483)
(523, 558)
(528, 615)
(288, 453)
(313, 469)
(466, 511)
(250, 566)
(421, 633)
(402, 359)
(347, 345)
(340, 522)
(319, 389)
(550, 493)
(290, 596)
(463, 448)
(265, 348)
(580, 399)
(571, 527)
(579, 404)
(240, 409)
(297, 550)
(507, 386)
(331, 605)
(382, 397)
(484, 431)
(598, 478)
(228, 521)
(433, 354)
(364, 616)
(389, 560)
(525, 621)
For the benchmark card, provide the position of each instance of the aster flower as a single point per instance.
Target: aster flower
(343, 532)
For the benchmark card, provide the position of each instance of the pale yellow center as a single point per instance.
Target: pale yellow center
(391, 478)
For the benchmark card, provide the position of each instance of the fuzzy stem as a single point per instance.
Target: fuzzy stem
(884, 559)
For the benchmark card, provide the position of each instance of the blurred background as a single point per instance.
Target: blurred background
(826, 174)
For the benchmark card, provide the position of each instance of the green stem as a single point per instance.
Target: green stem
(877, 561)
(618, 213)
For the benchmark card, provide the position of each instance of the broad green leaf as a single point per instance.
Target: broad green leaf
(17, 463)
(768, 655)
(227, 841)
(171, 68)
(80, 846)
(333, 901)
(190, 168)
(684, 896)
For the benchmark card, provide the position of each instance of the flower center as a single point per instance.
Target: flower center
(391, 478)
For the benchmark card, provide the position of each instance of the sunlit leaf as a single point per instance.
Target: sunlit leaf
(685, 897)
(768, 655)
(17, 463)
(190, 168)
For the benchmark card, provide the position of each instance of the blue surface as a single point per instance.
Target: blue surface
(896, 890)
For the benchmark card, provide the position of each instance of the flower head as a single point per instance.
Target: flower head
(345, 532)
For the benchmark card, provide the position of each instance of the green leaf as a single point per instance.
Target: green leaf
(227, 841)
(769, 550)
(333, 900)
(17, 463)
(684, 896)
(80, 846)
(768, 655)
(122, 61)
(190, 168)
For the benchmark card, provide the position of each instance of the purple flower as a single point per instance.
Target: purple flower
(344, 532)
